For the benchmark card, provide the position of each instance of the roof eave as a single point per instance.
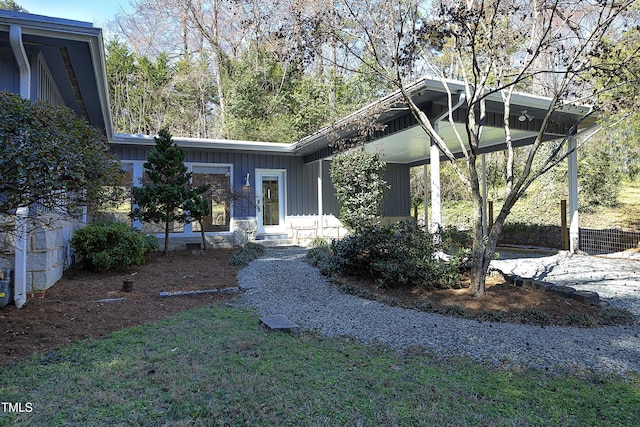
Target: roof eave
(216, 144)
(67, 29)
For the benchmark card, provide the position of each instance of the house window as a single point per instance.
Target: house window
(218, 196)
(121, 212)
(158, 228)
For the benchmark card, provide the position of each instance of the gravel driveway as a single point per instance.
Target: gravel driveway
(281, 282)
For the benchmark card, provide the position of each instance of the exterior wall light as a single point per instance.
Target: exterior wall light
(525, 116)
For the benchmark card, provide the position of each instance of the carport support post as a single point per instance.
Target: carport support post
(434, 160)
(572, 161)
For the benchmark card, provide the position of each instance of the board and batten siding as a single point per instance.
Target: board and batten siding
(301, 179)
(397, 199)
(9, 76)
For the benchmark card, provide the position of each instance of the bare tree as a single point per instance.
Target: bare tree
(492, 47)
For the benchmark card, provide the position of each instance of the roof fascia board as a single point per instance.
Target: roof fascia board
(96, 47)
(217, 144)
(45, 25)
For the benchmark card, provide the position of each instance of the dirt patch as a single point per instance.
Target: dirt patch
(502, 302)
(69, 312)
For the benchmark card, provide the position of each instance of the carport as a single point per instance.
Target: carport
(400, 139)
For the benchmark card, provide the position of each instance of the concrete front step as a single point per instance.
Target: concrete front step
(277, 242)
(271, 240)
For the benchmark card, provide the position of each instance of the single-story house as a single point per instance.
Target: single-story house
(284, 190)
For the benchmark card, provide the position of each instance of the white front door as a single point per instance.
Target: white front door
(270, 186)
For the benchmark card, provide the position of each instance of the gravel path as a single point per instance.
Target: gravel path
(281, 282)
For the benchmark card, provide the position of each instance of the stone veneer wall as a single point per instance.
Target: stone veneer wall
(243, 230)
(48, 250)
(305, 228)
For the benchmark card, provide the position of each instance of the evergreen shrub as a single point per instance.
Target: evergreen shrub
(111, 246)
(249, 252)
(401, 254)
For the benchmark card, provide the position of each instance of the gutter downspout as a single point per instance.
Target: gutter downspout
(15, 39)
(20, 263)
(434, 161)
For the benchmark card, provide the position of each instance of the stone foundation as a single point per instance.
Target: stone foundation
(305, 228)
(180, 242)
(244, 230)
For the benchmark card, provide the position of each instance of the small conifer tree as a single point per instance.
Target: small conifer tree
(164, 200)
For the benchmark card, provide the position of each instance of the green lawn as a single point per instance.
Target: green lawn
(536, 208)
(216, 366)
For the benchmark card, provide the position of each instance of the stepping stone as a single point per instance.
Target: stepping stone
(179, 293)
(109, 300)
(587, 297)
(279, 322)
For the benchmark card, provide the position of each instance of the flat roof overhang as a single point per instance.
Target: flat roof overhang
(403, 141)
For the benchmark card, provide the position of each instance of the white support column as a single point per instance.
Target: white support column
(425, 179)
(436, 212)
(574, 229)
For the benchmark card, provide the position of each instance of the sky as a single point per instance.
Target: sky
(96, 11)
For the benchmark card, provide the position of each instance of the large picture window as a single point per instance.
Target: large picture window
(219, 197)
(156, 228)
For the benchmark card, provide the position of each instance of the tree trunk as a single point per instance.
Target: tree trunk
(483, 253)
(204, 241)
(478, 270)
(166, 237)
